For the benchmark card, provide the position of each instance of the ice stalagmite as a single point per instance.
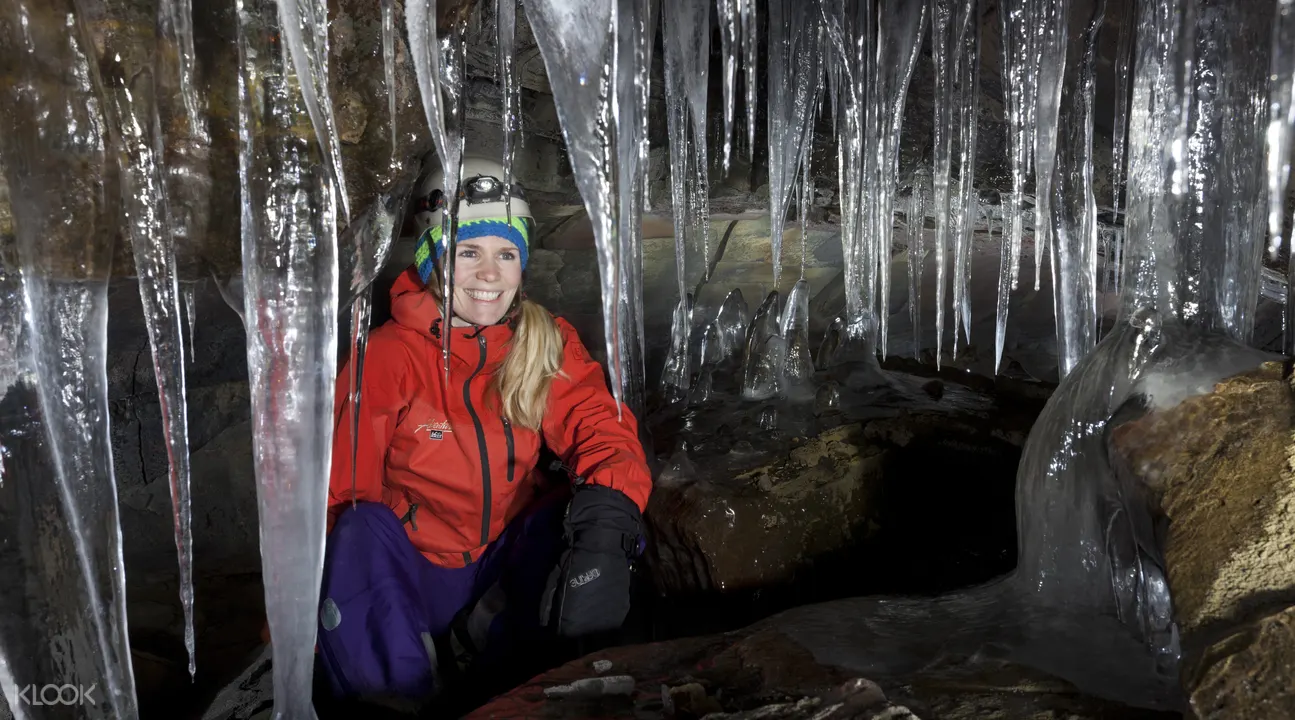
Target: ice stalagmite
(797, 364)
(578, 42)
(1073, 206)
(1050, 20)
(795, 81)
(950, 23)
(509, 89)
(685, 33)
(967, 70)
(730, 42)
(63, 617)
(1281, 120)
(900, 27)
(290, 296)
(675, 377)
(762, 358)
(1018, 90)
(635, 36)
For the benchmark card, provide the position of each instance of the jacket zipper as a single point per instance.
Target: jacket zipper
(481, 444)
(508, 438)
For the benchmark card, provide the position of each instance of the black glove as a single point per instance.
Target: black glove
(589, 590)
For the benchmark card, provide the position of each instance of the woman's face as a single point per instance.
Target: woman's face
(487, 273)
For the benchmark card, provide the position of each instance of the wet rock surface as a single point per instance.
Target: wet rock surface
(764, 672)
(1220, 470)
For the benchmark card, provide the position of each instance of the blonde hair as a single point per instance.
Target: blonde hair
(521, 386)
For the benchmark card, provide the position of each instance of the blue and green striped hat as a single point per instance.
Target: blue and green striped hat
(424, 258)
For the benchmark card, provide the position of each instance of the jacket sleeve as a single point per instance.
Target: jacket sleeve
(384, 397)
(582, 426)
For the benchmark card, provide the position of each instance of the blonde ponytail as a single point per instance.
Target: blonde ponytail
(534, 359)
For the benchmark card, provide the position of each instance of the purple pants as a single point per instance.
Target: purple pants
(383, 605)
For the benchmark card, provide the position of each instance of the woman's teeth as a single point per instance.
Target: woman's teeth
(482, 295)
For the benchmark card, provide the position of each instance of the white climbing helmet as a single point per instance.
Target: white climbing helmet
(481, 194)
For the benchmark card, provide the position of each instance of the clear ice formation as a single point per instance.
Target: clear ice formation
(763, 354)
(636, 31)
(967, 71)
(305, 31)
(510, 89)
(1281, 101)
(127, 96)
(685, 40)
(950, 24)
(677, 375)
(290, 292)
(579, 43)
(443, 105)
(389, 71)
(1019, 91)
(901, 25)
(751, 49)
(1048, 40)
(66, 616)
(797, 365)
(1073, 206)
(795, 81)
(188, 290)
(730, 44)
(731, 321)
(915, 219)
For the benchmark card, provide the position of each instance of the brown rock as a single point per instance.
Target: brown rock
(1219, 468)
(759, 526)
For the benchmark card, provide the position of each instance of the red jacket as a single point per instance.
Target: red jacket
(450, 452)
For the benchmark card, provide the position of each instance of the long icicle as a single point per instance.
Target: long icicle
(290, 291)
(579, 51)
(509, 90)
(730, 42)
(1018, 100)
(901, 26)
(968, 73)
(389, 71)
(751, 49)
(1281, 102)
(1049, 40)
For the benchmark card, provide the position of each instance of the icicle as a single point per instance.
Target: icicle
(579, 50)
(509, 90)
(751, 48)
(63, 553)
(305, 31)
(1074, 218)
(685, 30)
(916, 219)
(1018, 75)
(637, 28)
(1281, 103)
(190, 313)
(849, 28)
(1050, 20)
(290, 289)
(950, 23)
(900, 24)
(795, 80)
(389, 71)
(730, 43)
(968, 72)
(1120, 127)
(443, 114)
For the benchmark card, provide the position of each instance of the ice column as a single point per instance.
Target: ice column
(290, 287)
(65, 619)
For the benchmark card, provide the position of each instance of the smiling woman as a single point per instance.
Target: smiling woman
(445, 550)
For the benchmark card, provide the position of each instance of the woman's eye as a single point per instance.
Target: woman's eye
(507, 255)
(466, 253)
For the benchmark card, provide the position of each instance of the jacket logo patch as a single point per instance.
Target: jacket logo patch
(435, 429)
